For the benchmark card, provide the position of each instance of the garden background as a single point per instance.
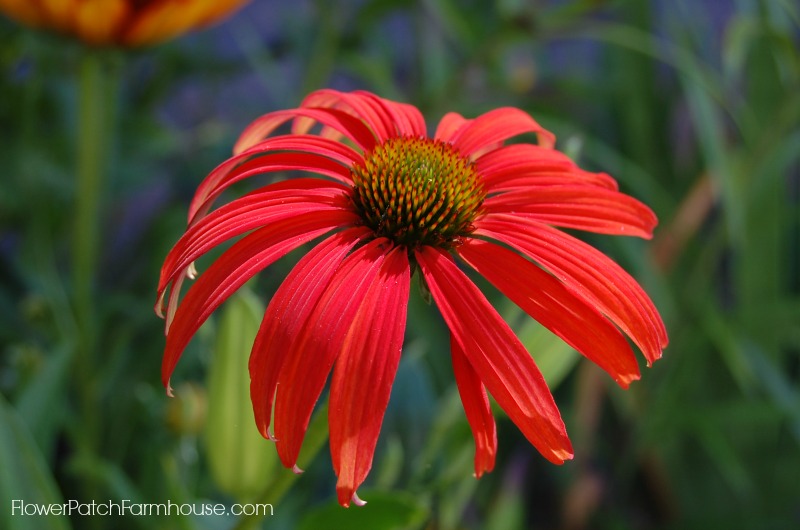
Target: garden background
(694, 106)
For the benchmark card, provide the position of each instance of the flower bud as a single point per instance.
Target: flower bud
(241, 460)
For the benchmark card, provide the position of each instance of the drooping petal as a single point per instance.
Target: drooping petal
(526, 181)
(588, 273)
(234, 267)
(495, 127)
(583, 207)
(323, 160)
(476, 406)
(522, 165)
(551, 304)
(449, 125)
(351, 127)
(306, 368)
(287, 314)
(266, 205)
(497, 355)
(521, 157)
(364, 373)
(180, 261)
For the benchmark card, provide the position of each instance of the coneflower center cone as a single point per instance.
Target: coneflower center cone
(417, 191)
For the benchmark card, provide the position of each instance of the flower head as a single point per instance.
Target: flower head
(120, 22)
(391, 201)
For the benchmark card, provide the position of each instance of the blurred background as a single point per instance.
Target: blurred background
(694, 106)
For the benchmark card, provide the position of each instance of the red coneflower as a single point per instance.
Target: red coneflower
(398, 202)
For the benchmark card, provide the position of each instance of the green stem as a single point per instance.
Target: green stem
(315, 438)
(96, 93)
(92, 150)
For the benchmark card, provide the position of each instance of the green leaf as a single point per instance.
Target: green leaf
(737, 40)
(24, 476)
(383, 511)
(109, 475)
(776, 384)
(709, 126)
(40, 404)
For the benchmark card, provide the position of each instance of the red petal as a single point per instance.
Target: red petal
(495, 127)
(307, 143)
(476, 406)
(269, 204)
(550, 303)
(585, 208)
(364, 373)
(356, 104)
(239, 168)
(308, 364)
(403, 119)
(286, 317)
(522, 165)
(413, 117)
(449, 125)
(497, 355)
(234, 267)
(588, 273)
(350, 126)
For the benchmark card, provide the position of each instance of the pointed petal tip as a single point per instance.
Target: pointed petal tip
(559, 451)
(170, 393)
(478, 474)
(653, 354)
(159, 307)
(358, 501)
(624, 380)
(654, 357)
(564, 454)
(484, 467)
(559, 456)
(264, 431)
(296, 470)
(345, 498)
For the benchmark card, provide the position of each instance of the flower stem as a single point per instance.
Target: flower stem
(96, 94)
(92, 150)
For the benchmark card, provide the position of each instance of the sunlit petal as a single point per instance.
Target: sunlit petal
(496, 354)
(370, 354)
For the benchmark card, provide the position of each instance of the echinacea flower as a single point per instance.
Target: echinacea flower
(392, 201)
(119, 22)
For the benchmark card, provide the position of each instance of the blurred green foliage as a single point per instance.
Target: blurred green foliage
(693, 106)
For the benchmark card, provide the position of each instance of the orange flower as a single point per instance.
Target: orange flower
(120, 22)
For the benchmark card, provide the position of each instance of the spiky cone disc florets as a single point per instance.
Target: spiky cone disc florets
(417, 191)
